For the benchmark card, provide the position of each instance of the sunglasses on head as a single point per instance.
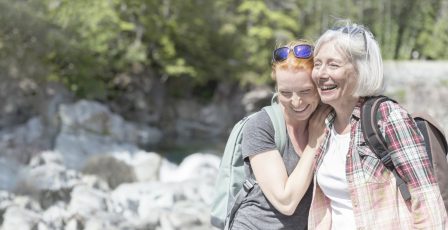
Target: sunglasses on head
(300, 51)
(352, 30)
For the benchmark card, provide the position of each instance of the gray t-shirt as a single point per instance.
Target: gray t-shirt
(256, 212)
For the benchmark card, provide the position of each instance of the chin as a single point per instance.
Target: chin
(328, 99)
(303, 116)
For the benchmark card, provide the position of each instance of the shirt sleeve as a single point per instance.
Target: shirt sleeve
(258, 135)
(411, 161)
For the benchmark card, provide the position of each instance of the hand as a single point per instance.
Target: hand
(316, 125)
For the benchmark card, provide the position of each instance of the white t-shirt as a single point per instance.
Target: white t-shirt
(332, 180)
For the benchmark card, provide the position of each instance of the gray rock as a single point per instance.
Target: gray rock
(20, 218)
(89, 128)
(101, 165)
(86, 202)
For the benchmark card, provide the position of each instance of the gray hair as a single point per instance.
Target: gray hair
(360, 47)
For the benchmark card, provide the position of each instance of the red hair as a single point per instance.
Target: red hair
(292, 62)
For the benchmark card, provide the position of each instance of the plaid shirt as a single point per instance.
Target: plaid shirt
(376, 200)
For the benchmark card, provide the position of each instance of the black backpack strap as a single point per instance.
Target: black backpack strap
(248, 185)
(375, 139)
(372, 135)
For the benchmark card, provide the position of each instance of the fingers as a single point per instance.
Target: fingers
(320, 113)
(324, 110)
(316, 124)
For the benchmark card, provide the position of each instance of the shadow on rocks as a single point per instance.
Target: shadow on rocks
(110, 169)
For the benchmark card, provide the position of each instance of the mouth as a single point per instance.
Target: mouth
(327, 87)
(299, 110)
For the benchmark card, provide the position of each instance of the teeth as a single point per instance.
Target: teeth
(328, 87)
(299, 110)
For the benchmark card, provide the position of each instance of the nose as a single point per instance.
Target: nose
(296, 100)
(322, 71)
(320, 74)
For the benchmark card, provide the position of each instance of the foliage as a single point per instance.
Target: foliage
(88, 44)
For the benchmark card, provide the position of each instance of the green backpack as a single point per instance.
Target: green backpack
(231, 184)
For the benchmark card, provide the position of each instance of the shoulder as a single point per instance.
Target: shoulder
(259, 120)
(258, 134)
(392, 111)
(397, 124)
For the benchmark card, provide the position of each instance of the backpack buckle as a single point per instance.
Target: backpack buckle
(387, 159)
(247, 185)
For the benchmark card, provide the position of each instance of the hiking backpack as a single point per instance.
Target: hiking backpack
(435, 142)
(231, 183)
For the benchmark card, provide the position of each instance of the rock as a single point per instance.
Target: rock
(46, 157)
(86, 202)
(9, 171)
(89, 128)
(55, 216)
(197, 165)
(48, 183)
(101, 165)
(22, 142)
(95, 182)
(19, 218)
(146, 165)
(139, 200)
(77, 148)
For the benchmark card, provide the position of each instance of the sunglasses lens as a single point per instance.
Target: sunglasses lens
(303, 51)
(281, 54)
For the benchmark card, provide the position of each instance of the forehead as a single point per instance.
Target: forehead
(294, 79)
(331, 50)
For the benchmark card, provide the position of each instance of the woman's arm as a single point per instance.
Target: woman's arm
(282, 191)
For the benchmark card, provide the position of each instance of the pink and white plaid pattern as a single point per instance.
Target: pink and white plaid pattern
(377, 202)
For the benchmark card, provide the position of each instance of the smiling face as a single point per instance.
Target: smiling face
(296, 93)
(335, 77)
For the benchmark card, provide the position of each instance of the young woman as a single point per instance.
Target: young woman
(282, 195)
(353, 189)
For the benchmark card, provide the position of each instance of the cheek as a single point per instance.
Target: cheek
(313, 99)
(314, 75)
(316, 99)
(282, 100)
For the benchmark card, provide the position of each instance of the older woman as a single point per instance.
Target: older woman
(354, 190)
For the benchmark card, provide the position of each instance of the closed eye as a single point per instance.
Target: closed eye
(334, 65)
(307, 91)
(286, 93)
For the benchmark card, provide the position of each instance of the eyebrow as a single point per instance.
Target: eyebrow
(330, 60)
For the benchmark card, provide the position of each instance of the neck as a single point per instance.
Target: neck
(298, 134)
(342, 124)
(343, 114)
(298, 129)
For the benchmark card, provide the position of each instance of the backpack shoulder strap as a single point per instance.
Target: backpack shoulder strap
(370, 130)
(375, 139)
(230, 176)
(248, 185)
(278, 121)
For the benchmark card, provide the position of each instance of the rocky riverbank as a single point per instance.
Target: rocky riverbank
(97, 177)
(110, 195)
